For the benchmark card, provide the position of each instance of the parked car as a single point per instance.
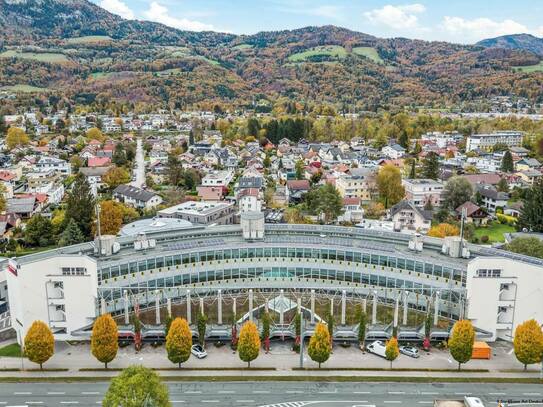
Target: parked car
(410, 351)
(378, 348)
(198, 351)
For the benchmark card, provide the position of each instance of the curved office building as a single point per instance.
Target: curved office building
(294, 264)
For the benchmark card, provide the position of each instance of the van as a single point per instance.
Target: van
(378, 348)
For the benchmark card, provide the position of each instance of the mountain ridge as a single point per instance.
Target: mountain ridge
(527, 42)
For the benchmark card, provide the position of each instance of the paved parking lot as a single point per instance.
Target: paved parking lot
(281, 357)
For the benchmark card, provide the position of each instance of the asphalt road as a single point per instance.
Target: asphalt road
(278, 394)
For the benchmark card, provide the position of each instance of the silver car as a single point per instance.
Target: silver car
(409, 351)
(198, 351)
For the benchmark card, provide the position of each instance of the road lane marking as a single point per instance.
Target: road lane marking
(34, 402)
(361, 392)
(496, 394)
(193, 392)
(426, 402)
(245, 401)
(69, 402)
(531, 394)
(88, 393)
(294, 391)
(226, 391)
(462, 394)
(396, 392)
(328, 392)
(177, 401)
(429, 393)
(210, 401)
(57, 393)
(392, 401)
(22, 393)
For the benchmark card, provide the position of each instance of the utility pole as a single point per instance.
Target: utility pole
(302, 341)
(98, 230)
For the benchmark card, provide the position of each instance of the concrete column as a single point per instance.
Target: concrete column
(202, 311)
(189, 312)
(374, 309)
(364, 305)
(312, 306)
(251, 305)
(169, 307)
(219, 307)
(126, 316)
(157, 307)
(103, 309)
(343, 306)
(281, 315)
(299, 307)
(405, 305)
(332, 306)
(396, 309)
(234, 309)
(436, 308)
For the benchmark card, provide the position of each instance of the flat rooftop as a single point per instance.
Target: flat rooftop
(195, 208)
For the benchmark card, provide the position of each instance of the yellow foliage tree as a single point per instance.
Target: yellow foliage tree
(116, 176)
(104, 339)
(391, 350)
(461, 341)
(111, 217)
(39, 344)
(389, 184)
(248, 343)
(528, 343)
(95, 134)
(16, 138)
(179, 341)
(443, 230)
(320, 344)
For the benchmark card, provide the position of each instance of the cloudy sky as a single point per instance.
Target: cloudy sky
(464, 21)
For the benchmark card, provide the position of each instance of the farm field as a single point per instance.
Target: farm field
(530, 68)
(368, 52)
(37, 56)
(89, 39)
(23, 88)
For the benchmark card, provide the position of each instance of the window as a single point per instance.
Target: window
(485, 273)
(74, 271)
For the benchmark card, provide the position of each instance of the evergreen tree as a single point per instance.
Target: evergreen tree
(457, 191)
(191, 138)
(38, 231)
(502, 186)
(430, 166)
(2, 124)
(461, 341)
(80, 205)
(248, 343)
(179, 341)
(202, 325)
(531, 217)
(39, 343)
(320, 344)
(507, 162)
(71, 235)
(104, 339)
(413, 170)
(174, 170)
(362, 323)
(528, 343)
(119, 155)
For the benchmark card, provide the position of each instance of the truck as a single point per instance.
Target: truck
(378, 348)
(466, 402)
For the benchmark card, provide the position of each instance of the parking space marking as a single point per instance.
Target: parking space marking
(361, 392)
(69, 402)
(21, 393)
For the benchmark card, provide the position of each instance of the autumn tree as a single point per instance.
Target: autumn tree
(137, 386)
(389, 184)
(528, 342)
(443, 230)
(80, 205)
(179, 341)
(391, 350)
(95, 133)
(16, 137)
(174, 170)
(457, 191)
(104, 339)
(39, 343)
(326, 201)
(320, 344)
(116, 176)
(111, 217)
(461, 341)
(248, 343)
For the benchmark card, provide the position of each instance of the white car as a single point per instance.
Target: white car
(377, 348)
(410, 351)
(198, 351)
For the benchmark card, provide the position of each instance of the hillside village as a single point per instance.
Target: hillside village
(180, 166)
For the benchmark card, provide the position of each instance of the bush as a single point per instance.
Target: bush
(484, 239)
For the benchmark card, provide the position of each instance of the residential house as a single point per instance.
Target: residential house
(136, 197)
(297, 189)
(352, 210)
(491, 198)
(410, 218)
(473, 213)
(421, 191)
(57, 164)
(360, 183)
(394, 151)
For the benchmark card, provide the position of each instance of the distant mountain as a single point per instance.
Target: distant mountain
(92, 56)
(526, 42)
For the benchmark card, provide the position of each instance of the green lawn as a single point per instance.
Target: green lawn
(24, 88)
(12, 351)
(89, 39)
(50, 57)
(368, 52)
(494, 231)
(334, 51)
(243, 46)
(530, 68)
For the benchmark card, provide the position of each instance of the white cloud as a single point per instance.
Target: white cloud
(480, 28)
(117, 7)
(160, 14)
(397, 17)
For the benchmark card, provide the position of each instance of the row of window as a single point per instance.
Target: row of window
(489, 273)
(74, 271)
(284, 252)
(263, 272)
